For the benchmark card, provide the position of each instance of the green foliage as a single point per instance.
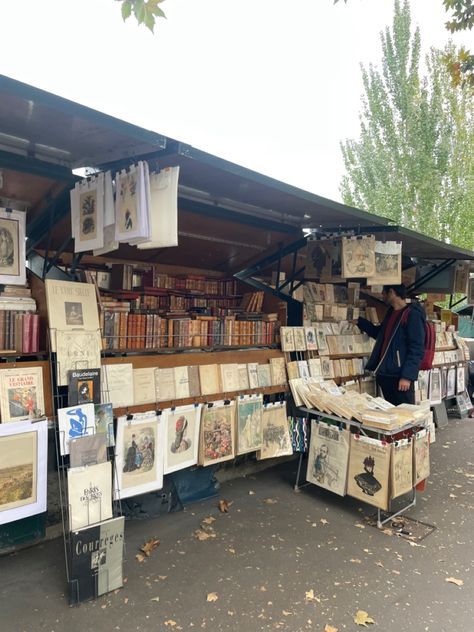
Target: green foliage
(462, 14)
(414, 160)
(462, 65)
(145, 11)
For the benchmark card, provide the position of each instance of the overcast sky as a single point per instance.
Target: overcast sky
(269, 84)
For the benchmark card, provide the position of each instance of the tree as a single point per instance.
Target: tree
(145, 11)
(414, 160)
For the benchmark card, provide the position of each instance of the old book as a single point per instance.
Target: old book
(243, 377)
(253, 374)
(144, 388)
(327, 370)
(264, 375)
(76, 351)
(21, 394)
(293, 370)
(321, 339)
(328, 457)
(181, 382)
(300, 338)
(209, 376)
(311, 342)
(193, 380)
(314, 365)
(303, 369)
(287, 339)
(332, 343)
(83, 387)
(89, 494)
(229, 377)
(278, 371)
(369, 468)
(117, 384)
(88, 450)
(165, 385)
(276, 432)
(96, 562)
(71, 306)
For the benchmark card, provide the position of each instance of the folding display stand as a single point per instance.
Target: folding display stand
(363, 430)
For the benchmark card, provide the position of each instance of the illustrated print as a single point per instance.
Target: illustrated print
(74, 315)
(217, 434)
(85, 391)
(22, 402)
(17, 470)
(104, 421)
(128, 201)
(88, 214)
(366, 480)
(139, 451)
(77, 423)
(7, 248)
(181, 443)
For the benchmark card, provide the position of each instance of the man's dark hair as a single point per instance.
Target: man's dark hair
(400, 290)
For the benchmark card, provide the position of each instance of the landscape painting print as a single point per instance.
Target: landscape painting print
(217, 433)
(328, 457)
(12, 247)
(181, 437)
(249, 424)
(139, 455)
(23, 469)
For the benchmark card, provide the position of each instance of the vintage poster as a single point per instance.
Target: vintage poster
(369, 467)
(276, 432)
(451, 382)
(127, 204)
(287, 339)
(21, 394)
(88, 450)
(12, 247)
(23, 469)
(401, 468)
(117, 384)
(89, 494)
(76, 351)
(358, 256)
(104, 421)
(328, 457)
(181, 444)
(71, 306)
(249, 423)
(139, 455)
(388, 263)
(73, 422)
(87, 213)
(421, 456)
(217, 438)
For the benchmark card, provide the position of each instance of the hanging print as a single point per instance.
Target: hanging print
(12, 247)
(181, 437)
(369, 464)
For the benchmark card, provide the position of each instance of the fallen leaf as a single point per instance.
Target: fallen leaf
(149, 546)
(162, 576)
(359, 525)
(140, 557)
(453, 580)
(251, 493)
(355, 561)
(286, 613)
(362, 618)
(212, 596)
(170, 622)
(379, 564)
(323, 521)
(202, 535)
(125, 600)
(224, 505)
(329, 628)
(104, 606)
(263, 589)
(209, 520)
(452, 496)
(155, 599)
(232, 551)
(310, 596)
(270, 501)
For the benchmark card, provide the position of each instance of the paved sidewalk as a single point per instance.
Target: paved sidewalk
(267, 556)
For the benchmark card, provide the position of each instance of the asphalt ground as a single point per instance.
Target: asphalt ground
(277, 560)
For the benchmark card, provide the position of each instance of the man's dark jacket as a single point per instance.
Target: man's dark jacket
(405, 353)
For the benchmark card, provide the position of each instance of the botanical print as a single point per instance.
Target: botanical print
(358, 257)
(74, 422)
(217, 433)
(276, 432)
(181, 437)
(369, 465)
(18, 458)
(328, 457)
(104, 421)
(9, 240)
(249, 424)
(401, 468)
(88, 214)
(23, 469)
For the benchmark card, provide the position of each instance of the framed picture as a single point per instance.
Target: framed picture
(217, 436)
(181, 444)
(139, 455)
(23, 469)
(12, 247)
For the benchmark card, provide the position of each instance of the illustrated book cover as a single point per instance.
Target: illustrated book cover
(21, 394)
(83, 387)
(73, 422)
(89, 494)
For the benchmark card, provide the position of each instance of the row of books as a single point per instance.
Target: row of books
(326, 338)
(19, 331)
(196, 283)
(313, 312)
(326, 368)
(446, 357)
(331, 293)
(122, 330)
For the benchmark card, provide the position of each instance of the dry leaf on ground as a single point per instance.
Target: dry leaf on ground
(155, 599)
(212, 596)
(323, 521)
(329, 628)
(453, 580)
(355, 561)
(202, 535)
(310, 596)
(286, 613)
(362, 618)
(140, 557)
(270, 501)
(149, 546)
(359, 525)
(171, 623)
(209, 520)
(251, 493)
(224, 505)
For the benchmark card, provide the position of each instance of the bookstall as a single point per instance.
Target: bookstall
(172, 304)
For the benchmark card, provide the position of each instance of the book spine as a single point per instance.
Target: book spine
(35, 331)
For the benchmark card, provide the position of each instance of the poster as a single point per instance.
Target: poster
(181, 443)
(421, 456)
(358, 257)
(369, 467)
(401, 468)
(328, 457)
(89, 494)
(249, 423)
(74, 422)
(217, 436)
(12, 247)
(276, 432)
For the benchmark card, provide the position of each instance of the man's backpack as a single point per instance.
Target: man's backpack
(430, 341)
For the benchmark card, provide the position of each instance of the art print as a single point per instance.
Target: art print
(388, 263)
(311, 341)
(328, 457)
(369, 467)
(460, 379)
(287, 339)
(217, 442)
(358, 257)
(182, 426)
(249, 424)
(12, 247)
(139, 454)
(300, 338)
(421, 456)
(23, 469)
(21, 394)
(89, 494)
(401, 468)
(276, 432)
(104, 421)
(88, 215)
(435, 386)
(127, 202)
(73, 422)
